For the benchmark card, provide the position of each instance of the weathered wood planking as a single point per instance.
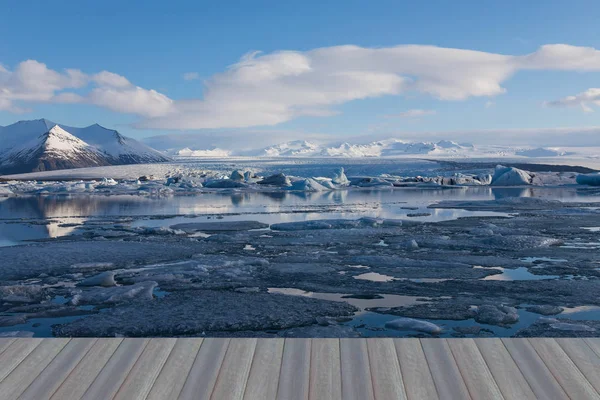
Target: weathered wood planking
(303, 369)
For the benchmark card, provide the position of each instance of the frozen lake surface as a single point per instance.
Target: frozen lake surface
(473, 261)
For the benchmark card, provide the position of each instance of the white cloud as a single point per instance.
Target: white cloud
(268, 89)
(489, 104)
(111, 79)
(191, 76)
(416, 113)
(583, 100)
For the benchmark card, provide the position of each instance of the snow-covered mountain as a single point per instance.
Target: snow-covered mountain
(42, 145)
(384, 148)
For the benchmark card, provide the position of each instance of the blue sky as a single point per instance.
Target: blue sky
(152, 44)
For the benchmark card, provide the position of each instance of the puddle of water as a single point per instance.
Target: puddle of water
(375, 277)
(387, 300)
(518, 274)
(581, 313)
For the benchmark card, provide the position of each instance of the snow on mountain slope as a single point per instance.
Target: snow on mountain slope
(42, 145)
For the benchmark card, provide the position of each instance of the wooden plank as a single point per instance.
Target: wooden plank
(17, 381)
(418, 382)
(594, 344)
(584, 358)
(295, 370)
(109, 380)
(15, 353)
(80, 379)
(325, 371)
(231, 382)
(356, 372)
(385, 369)
(266, 366)
(203, 375)
(505, 371)
(58, 370)
(4, 343)
(539, 377)
(142, 375)
(563, 369)
(174, 373)
(444, 370)
(472, 367)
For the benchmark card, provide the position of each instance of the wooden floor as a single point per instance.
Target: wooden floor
(291, 369)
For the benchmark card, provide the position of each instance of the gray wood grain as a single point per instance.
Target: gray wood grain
(58, 370)
(109, 380)
(17, 381)
(4, 343)
(266, 366)
(175, 372)
(505, 371)
(203, 375)
(385, 369)
(294, 376)
(472, 367)
(142, 375)
(356, 370)
(82, 376)
(15, 353)
(446, 375)
(584, 358)
(539, 377)
(231, 382)
(594, 344)
(417, 378)
(564, 370)
(325, 370)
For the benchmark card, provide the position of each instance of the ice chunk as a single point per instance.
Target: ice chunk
(226, 226)
(105, 279)
(563, 326)
(307, 185)
(589, 179)
(5, 191)
(545, 309)
(236, 176)
(276, 180)
(509, 176)
(339, 177)
(410, 324)
(496, 315)
(117, 294)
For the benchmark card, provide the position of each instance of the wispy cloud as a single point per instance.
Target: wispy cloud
(191, 76)
(268, 89)
(415, 113)
(584, 100)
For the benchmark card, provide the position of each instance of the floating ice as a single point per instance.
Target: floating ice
(105, 279)
(236, 176)
(117, 294)
(409, 324)
(276, 180)
(509, 176)
(225, 226)
(589, 179)
(307, 185)
(339, 177)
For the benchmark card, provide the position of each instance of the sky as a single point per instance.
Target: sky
(247, 71)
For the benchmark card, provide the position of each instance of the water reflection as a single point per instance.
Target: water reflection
(38, 217)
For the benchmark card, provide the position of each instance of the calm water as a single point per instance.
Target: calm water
(42, 217)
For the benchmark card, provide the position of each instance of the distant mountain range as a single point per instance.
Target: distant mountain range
(42, 145)
(381, 148)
